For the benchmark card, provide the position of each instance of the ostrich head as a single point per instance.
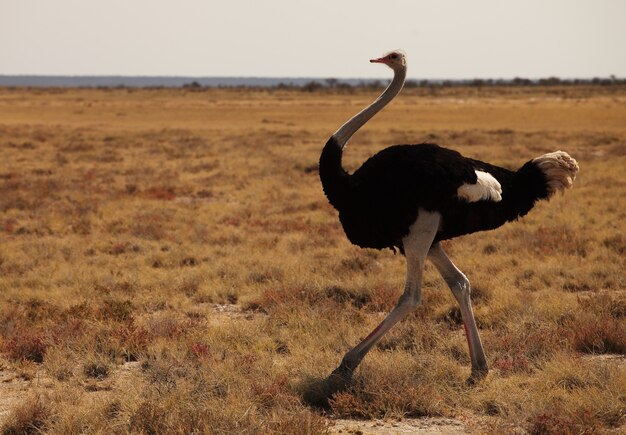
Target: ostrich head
(395, 60)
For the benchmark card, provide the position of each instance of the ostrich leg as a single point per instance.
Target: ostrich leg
(416, 246)
(460, 286)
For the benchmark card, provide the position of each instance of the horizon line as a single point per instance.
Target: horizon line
(167, 76)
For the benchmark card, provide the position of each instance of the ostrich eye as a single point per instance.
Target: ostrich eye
(394, 56)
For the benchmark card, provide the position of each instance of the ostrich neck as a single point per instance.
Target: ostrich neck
(345, 132)
(335, 180)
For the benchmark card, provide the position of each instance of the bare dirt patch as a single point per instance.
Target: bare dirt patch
(608, 359)
(17, 385)
(219, 313)
(431, 426)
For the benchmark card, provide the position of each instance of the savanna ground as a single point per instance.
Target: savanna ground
(168, 263)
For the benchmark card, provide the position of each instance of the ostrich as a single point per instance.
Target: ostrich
(411, 197)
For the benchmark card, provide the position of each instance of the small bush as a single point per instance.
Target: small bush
(593, 333)
(97, 370)
(25, 346)
(132, 340)
(547, 423)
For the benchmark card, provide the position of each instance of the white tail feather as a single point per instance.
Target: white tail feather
(486, 188)
(560, 170)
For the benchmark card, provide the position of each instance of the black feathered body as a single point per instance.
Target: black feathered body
(379, 202)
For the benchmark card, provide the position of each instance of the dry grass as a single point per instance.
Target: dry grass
(168, 263)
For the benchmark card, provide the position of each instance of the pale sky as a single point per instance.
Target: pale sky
(322, 38)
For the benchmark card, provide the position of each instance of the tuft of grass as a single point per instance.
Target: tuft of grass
(117, 310)
(29, 417)
(591, 333)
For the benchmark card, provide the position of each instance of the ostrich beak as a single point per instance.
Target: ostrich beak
(379, 60)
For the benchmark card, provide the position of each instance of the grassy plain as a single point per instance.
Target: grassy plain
(168, 263)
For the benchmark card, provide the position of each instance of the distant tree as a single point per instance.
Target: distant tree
(550, 81)
(331, 82)
(192, 85)
(312, 86)
(518, 81)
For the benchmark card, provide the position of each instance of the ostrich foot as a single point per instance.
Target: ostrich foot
(339, 380)
(476, 376)
(319, 392)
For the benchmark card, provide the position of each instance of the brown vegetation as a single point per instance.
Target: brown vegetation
(168, 263)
